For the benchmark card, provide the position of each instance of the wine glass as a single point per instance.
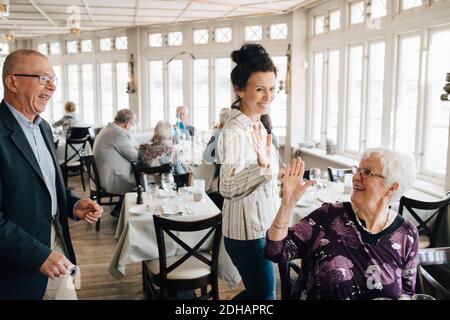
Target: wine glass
(167, 182)
(314, 174)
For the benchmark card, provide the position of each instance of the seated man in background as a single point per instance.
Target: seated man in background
(113, 153)
(181, 127)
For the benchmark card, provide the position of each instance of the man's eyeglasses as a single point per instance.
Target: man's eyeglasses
(365, 173)
(42, 78)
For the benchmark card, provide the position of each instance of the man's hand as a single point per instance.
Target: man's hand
(88, 210)
(293, 186)
(55, 265)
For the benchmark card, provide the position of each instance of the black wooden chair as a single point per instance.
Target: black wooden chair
(139, 171)
(337, 174)
(81, 132)
(289, 272)
(73, 165)
(434, 272)
(193, 271)
(97, 192)
(428, 227)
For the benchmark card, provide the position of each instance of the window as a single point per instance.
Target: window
(121, 82)
(121, 43)
(88, 93)
(222, 85)
(201, 36)
(278, 108)
(378, 8)
(54, 48)
(155, 40)
(317, 94)
(57, 97)
(335, 20)
(356, 12)
(278, 31)
(437, 112)
(223, 35)
(410, 4)
(175, 38)
(175, 94)
(354, 98)
(105, 44)
(319, 24)
(253, 33)
(407, 93)
(72, 46)
(43, 48)
(375, 91)
(156, 92)
(86, 45)
(201, 94)
(73, 84)
(4, 48)
(106, 93)
(333, 96)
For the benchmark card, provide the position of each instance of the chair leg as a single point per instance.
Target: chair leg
(82, 178)
(97, 225)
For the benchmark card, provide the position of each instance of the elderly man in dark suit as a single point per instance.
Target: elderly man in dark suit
(36, 253)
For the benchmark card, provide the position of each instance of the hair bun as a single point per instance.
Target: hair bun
(247, 53)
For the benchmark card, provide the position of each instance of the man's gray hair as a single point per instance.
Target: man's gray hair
(397, 167)
(186, 109)
(163, 131)
(17, 58)
(125, 116)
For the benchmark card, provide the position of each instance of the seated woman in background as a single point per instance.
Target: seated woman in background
(70, 118)
(160, 150)
(351, 250)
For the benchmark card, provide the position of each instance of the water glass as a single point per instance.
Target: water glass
(314, 174)
(167, 182)
(152, 191)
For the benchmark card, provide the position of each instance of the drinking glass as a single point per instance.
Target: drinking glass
(167, 182)
(152, 191)
(314, 174)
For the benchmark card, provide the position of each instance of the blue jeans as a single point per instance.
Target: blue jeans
(258, 273)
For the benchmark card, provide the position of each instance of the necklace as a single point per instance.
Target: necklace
(388, 217)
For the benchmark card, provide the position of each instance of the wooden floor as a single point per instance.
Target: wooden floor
(94, 251)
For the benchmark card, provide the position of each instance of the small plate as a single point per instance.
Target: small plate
(142, 209)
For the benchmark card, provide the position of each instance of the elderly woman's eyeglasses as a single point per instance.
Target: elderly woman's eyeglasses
(365, 173)
(43, 79)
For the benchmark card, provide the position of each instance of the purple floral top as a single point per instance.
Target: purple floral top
(340, 260)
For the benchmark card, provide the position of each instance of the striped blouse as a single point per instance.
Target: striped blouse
(250, 193)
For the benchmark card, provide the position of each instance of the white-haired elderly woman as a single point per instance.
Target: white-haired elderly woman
(351, 250)
(160, 150)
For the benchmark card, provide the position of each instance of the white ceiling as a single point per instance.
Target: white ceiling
(31, 18)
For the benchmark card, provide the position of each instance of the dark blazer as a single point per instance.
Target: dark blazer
(25, 211)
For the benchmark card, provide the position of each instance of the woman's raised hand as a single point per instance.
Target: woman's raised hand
(293, 186)
(262, 148)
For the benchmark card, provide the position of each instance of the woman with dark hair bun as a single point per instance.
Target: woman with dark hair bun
(248, 175)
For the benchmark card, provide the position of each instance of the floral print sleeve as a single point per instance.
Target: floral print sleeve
(409, 270)
(298, 241)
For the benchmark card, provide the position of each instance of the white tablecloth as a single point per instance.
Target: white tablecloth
(137, 239)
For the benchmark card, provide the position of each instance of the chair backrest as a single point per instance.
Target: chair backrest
(168, 226)
(73, 148)
(434, 272)
(183, 180)
(431, 225)
(337, 174)
(306, 175)
(140, 170)
(94, 177)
